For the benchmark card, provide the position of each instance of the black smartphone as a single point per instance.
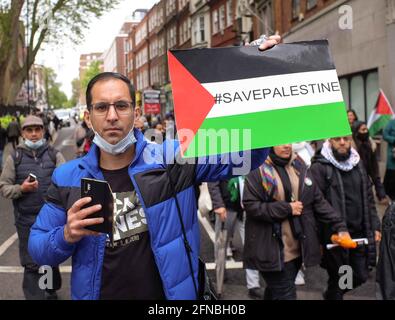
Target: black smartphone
(32, 177)
(100, 192)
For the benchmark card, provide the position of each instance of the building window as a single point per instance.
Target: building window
(229, 13)
(221, 18)
(215, 21)
(181, 4)
(360, 92)
(189, 27)
(311, 4)
(171, 37)
(201, 29)
(181, 33)
(266, 22)
(295, 9)
(170, 6)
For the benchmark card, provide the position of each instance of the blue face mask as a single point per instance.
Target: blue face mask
(117, 148)
(34, 145)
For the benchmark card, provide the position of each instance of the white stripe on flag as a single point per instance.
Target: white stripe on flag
(373, 118)
(251, 92)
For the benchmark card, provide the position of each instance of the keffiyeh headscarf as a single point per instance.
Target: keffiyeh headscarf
(347, 165)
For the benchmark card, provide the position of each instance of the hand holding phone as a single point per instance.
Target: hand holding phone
(101, 194)
(32, 177)
(79, 219)
(30, 184)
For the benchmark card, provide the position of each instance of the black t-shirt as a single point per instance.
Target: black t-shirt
(129, 268)
(352, 182)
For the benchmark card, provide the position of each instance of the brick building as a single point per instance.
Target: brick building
(184, 25)
(222, 21)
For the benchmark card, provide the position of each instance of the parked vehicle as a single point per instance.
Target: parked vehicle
(64, 117)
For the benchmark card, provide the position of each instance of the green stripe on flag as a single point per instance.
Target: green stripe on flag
(379, 124)
(270, 128)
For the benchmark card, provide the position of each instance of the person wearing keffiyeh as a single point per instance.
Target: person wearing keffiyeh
(342, 178)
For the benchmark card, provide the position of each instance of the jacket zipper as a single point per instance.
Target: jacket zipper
(165, 289)
(301, 241)
(93, 279)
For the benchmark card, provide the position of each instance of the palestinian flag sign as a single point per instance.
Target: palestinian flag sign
(381, 115)
(239, 98)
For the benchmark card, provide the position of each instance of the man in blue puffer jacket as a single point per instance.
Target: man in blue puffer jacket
(146, 259)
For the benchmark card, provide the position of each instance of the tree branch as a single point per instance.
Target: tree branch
(34, 25)
(33, 49)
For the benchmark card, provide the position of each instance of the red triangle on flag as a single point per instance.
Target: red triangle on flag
(192, 102)
(383, 106)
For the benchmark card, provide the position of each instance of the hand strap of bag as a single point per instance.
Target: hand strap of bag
(187, 246)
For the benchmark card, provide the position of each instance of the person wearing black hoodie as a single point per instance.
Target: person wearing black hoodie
(364, 147)
(342, 178)
(282, 203)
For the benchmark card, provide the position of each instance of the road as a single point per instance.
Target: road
(234, 289)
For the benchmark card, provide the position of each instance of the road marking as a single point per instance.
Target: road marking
(230, 264)
(68, 142)
(19, 269)
(67, 269)
(8, 243)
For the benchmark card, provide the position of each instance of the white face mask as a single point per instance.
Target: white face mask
(117, 148)
(34, 145)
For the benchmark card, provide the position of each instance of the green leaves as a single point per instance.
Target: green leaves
(92, 71)
(56, 97)
(47, 21)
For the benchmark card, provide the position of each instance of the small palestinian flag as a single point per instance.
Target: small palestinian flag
(239, 98)
(381, 115)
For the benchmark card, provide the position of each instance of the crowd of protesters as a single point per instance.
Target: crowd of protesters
(297, 200)
(285, 212)
(311, 191)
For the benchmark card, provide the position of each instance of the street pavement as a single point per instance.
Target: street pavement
(235, 285)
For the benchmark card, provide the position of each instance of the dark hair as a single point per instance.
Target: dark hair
(106, 76)
(354, 113)
(357, 126)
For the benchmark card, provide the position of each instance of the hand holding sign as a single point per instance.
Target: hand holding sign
(266, 43)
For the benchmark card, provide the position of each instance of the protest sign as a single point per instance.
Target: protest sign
(239, 98)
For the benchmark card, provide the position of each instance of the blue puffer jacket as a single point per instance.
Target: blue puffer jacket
(47, 245)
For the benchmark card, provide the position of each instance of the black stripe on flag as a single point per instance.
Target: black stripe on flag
(223, 64)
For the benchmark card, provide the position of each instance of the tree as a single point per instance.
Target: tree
(75, 94)
(47, 22)
(56, 98)
(93, 70)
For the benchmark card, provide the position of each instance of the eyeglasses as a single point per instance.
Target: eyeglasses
(121, 107)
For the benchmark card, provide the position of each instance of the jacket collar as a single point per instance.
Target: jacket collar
(91, 161)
